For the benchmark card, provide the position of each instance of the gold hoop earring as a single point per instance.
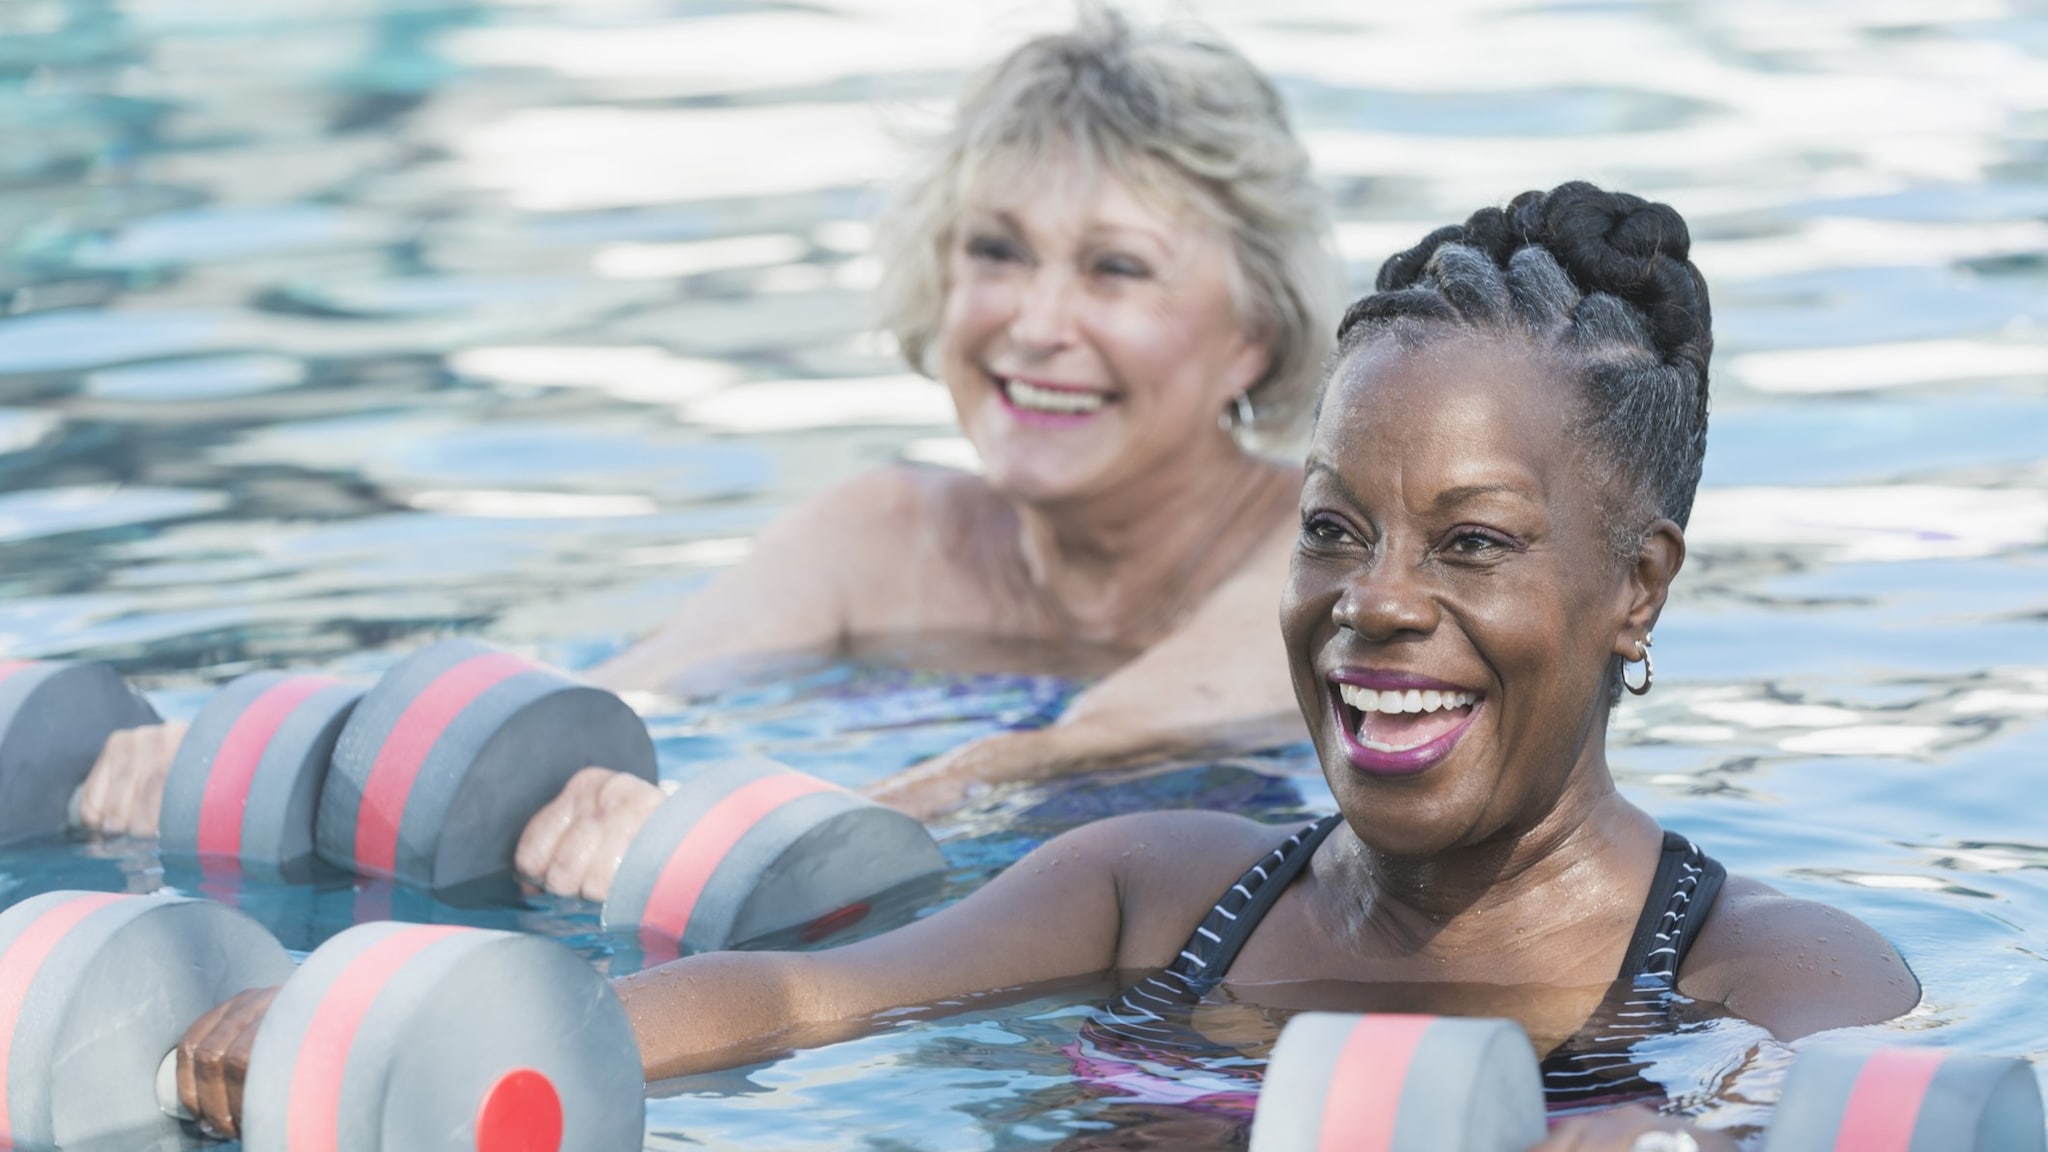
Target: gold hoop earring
(1649, 669)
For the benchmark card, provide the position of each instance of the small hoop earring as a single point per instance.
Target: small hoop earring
(1649, 669)
(1238, 416)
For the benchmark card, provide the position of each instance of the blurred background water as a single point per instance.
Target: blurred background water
(331, 326)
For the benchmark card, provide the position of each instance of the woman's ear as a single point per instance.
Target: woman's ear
(1649, 583)
(1248, 364)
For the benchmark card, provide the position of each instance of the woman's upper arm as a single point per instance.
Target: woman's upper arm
(788, 597)
(1124, 892)
(1795, 966)
(1120, 893)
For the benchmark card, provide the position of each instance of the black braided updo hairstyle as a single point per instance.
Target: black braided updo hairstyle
(1600, 281)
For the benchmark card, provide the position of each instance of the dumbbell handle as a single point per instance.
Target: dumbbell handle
(167, 1088)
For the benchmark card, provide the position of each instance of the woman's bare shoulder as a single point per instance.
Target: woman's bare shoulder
(1170, 867)
(903, 502)
(1795, 966)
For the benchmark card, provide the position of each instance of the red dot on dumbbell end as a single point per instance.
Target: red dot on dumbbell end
(521, 1113)
(836, 921)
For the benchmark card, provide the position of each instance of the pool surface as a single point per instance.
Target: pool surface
(331, 327)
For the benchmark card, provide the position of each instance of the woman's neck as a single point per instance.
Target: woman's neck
(1122, 566)
(1491, 912)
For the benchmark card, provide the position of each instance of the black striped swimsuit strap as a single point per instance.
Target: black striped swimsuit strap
(1599, 1065)
(1222, 933)
(1681, 894)
(1216, 941)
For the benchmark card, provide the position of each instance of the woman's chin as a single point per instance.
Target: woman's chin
(1033, 474)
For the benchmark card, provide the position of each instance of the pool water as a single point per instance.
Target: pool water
(335, 326)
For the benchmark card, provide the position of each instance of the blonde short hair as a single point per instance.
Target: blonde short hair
(1170, 111)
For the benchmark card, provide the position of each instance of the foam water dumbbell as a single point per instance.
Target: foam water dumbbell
(247, 779)
(444, 761)
(747, 848)
(1391, 1083)
(55, 716)
(1396, 1083)
(1907, 1100)
(94, 989)
(398, 1037)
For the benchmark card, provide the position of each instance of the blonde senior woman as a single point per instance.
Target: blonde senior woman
(1117, 263)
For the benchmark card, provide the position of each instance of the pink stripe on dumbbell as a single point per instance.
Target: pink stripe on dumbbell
(406, 747)
(313, 1112)
(1365, 1084)
(689, 868)
(1885, 1103)
(234, 765)
(18, 968)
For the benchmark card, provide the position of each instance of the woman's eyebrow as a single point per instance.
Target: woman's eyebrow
(1465, 493)
(1106, 230)
(1317, 466)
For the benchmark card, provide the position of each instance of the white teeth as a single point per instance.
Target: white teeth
(1367, 700)
(1033, 398)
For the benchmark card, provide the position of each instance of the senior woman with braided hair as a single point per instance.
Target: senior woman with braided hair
(1497, 486)
(1117, 263)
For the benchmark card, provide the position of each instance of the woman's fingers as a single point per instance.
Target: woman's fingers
(923, 792)
(628, 802)
(573, 846)
(213, 1059)
(157, 747)
(564, 876)
(537, 842)
(124, 791)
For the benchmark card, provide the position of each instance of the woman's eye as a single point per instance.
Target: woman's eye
(1124, 267)
(992, 249)
(1477, 542)
(1323, 530)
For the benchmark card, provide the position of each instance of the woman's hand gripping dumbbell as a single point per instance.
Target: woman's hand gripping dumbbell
(80, 748)
(1393, 1083)
(432, 777)
(407, 1038)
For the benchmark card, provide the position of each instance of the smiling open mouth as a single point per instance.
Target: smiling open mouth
(1402, 730)
(1025, 396)
(1390, 721)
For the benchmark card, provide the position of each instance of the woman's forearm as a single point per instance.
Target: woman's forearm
(713, 1011)
(1088, 744)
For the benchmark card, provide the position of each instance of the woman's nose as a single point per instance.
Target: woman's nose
(1384, 600)
(1044, 320)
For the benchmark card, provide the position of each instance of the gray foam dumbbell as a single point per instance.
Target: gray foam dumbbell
(390, 1038)
(1907, 1100)
(444, 761)
(1399, 1083)
(246, 782)
(94, 989)
(55, 716)
(1392, 1083)
(748, 848)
